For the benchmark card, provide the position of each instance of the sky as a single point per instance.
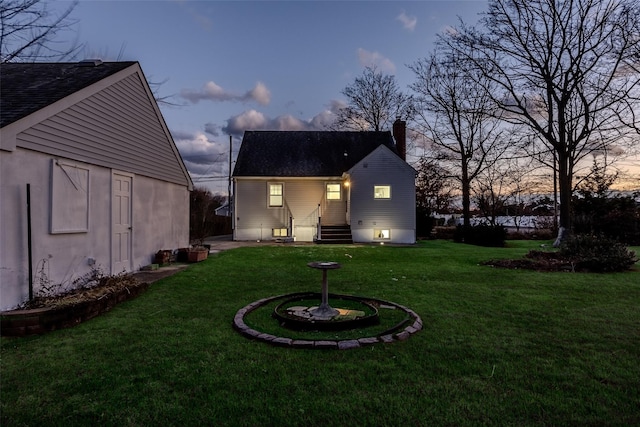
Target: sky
(230, 66)
(258, 65)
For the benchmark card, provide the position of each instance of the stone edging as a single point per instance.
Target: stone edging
(19, 323)
(240, 326)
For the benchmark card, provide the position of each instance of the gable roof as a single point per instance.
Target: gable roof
(27, 88)
(306, 153)
(97, 113)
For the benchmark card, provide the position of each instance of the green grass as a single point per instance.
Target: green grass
(499, 347)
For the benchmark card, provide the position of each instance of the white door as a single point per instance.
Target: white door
(122, 223)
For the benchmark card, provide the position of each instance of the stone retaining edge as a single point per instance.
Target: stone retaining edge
(240, 326)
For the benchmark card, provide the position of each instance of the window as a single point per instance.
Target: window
(333, 191)
(279, 232)
(276, 194)
(381, 191)
(381, 234)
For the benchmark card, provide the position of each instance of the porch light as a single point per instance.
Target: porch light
(346, 184)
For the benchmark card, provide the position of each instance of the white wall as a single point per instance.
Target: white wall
(160, 221)
(397, 214)
(254, 219)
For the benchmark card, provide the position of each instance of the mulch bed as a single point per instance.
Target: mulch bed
(538, 261)
(107, 286)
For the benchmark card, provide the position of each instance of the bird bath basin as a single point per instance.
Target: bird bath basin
(312, 311)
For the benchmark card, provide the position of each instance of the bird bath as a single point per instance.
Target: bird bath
(324, 311)
(303, 312)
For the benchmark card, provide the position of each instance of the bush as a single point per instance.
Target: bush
(538, 234)
(597, 253)
(481, 235)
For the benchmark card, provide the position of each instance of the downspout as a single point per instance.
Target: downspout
(29, 247)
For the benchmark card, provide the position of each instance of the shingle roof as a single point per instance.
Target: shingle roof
(305, 153)
(26, 88)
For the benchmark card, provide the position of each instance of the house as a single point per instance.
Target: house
(324, 186)
(90, 177)
(222, 210)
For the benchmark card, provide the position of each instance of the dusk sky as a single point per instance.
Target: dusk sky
(265, 65)
(258, 65)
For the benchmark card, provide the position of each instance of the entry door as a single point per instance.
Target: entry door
(121, 223)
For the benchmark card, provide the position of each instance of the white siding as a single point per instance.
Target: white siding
(160, 221)
(117, 127)
(254, 219)
(382, 167)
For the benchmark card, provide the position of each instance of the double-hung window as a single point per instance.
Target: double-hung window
(334, 191)
(276, 194)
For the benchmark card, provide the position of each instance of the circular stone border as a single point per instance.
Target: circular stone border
(404, 334)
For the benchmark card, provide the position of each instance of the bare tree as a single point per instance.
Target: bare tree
(434, 192)
(506, 189)
(569, 70)
(374, 101)
(458, 115)
(30, 32)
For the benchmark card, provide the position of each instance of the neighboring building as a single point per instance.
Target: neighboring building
(223, 210)
(108, 188)
(324, 186)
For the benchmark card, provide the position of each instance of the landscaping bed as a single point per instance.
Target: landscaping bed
(44, 314)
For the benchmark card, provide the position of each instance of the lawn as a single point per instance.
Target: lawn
(499, 347)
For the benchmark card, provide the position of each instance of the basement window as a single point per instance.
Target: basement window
(381, 191)
(381, 234)
(276, 194)
(279, 232)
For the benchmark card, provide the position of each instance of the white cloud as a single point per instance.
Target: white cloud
(255, 120)
(201, 156)
(375, 59)
(408, 22)
(260, 94)
(213, 92)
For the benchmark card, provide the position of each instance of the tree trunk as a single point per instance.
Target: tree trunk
(564, 184)
(466, 199)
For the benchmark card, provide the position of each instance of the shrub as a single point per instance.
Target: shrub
(597, 253)
(481, 235)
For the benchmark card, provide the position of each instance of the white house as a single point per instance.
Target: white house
(323, 186)
(107, 187)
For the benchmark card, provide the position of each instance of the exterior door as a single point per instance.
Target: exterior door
(121, 223)
(334, 211)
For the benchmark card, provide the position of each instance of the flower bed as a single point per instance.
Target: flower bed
(44, 319)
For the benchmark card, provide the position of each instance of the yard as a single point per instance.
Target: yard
(499, 347)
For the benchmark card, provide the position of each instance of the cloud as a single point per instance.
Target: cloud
(213, 92)
(201, 155)
(375, 59)
(255, 120)
(212, 129)
(408, 22)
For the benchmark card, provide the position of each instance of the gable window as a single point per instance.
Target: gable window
(381, 191)
(276, 194)
(334, 191)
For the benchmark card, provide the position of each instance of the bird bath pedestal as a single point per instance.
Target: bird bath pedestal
(324, 311)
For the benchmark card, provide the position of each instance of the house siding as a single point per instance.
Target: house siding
(117, 127)
(160, 221)
(254, 220)
(382, 167)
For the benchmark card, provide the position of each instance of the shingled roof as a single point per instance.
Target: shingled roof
(26, 88)
(306, 153)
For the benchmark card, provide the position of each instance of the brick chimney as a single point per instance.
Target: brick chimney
(400, 135)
